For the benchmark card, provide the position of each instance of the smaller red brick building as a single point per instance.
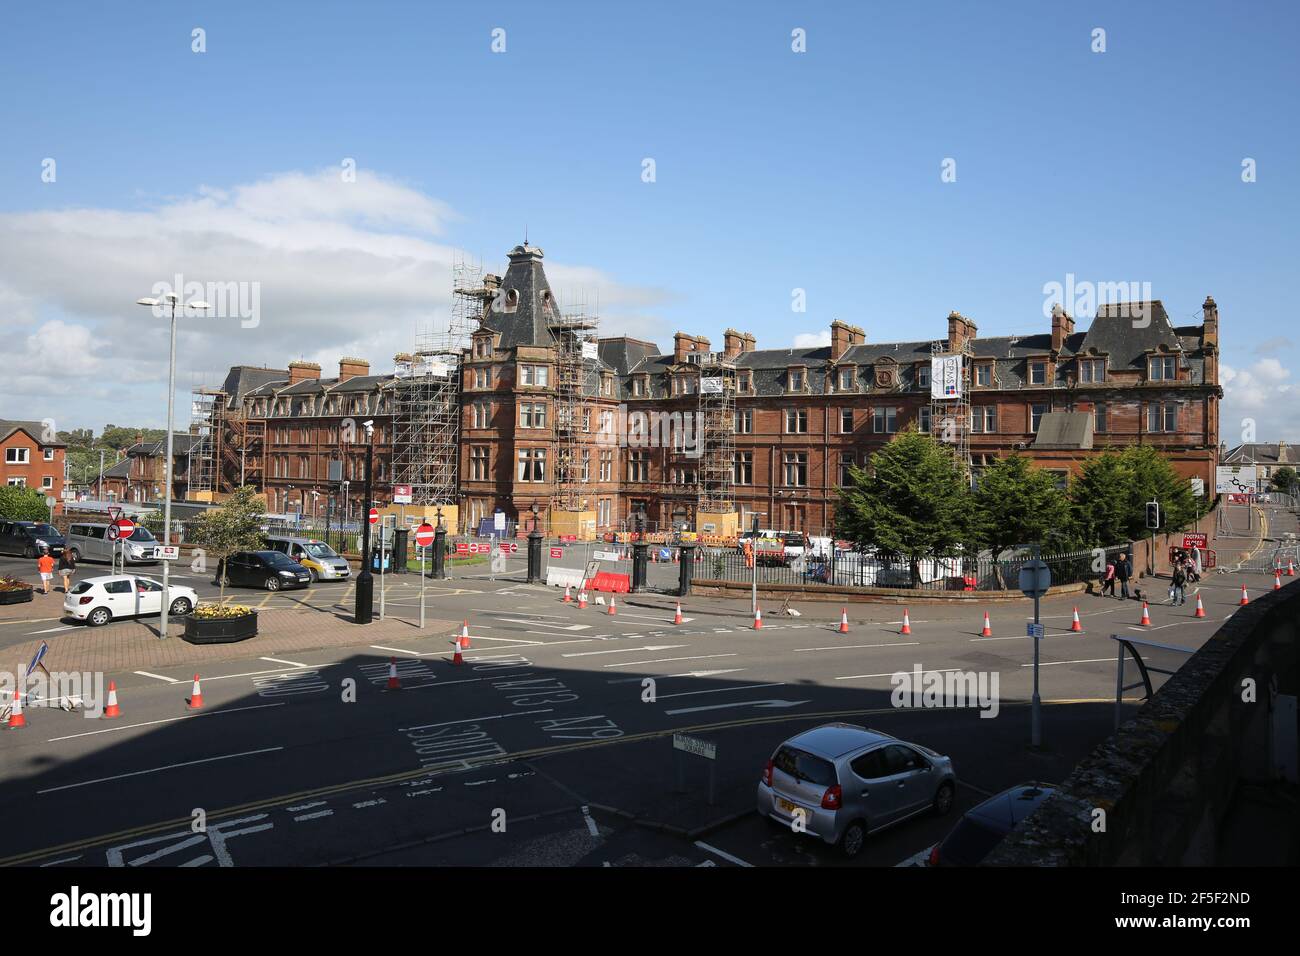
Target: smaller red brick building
(33, 458)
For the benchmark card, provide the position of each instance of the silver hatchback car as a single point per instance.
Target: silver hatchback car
(842, 781)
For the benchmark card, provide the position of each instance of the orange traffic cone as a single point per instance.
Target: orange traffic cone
(987, 631)
(758, 618)
(456, 658)
(196, 695)
(568, 598)
(1244, 600)
(844, 621)
(1290, 568)
(677, 618)
(1076, 626)
(111, 709)
(582, 600)
(1146, 616)
(907, 623)
(1200, 608)
(16, 718)
(464, 635)
(1277, 580)
(612, 608)
(394, 682)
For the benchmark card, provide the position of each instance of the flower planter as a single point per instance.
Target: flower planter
(16, 597)
(221, 630)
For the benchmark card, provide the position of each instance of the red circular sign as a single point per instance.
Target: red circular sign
(424, 535)
(374, 515)
(125, 527)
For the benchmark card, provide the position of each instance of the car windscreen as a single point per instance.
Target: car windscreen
(968, 843)
(318, 549)
(278, 560)
(804, 766)
(45, 531)
(141, 534)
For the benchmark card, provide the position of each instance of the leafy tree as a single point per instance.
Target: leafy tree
(22, 504)
(1284, 479)
(1017, 503)
(234, 526)
(123, 437)
(1152, 478)
(1100, 501)
(911, 500)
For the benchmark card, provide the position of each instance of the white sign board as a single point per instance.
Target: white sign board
(1234, 480)
(694, 745)
(401, 494)
(711, 385)
(166, 553)
(945, 376)
(590, 350)
(498, 521)
(1198, 488)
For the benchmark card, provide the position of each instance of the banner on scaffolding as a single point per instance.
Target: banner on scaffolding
(945, 376)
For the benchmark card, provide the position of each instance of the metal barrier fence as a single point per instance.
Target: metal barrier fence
(855, 569)
(1266, 560)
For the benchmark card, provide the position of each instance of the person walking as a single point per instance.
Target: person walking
(1108, 582)
(1123, 571)
(1196, 561)
(1178, 586)
(67, 568)
(45, 565)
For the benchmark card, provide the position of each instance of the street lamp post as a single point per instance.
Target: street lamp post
(170, 299)
(365, 601)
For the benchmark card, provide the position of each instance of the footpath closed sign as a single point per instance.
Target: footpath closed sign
(694, 745)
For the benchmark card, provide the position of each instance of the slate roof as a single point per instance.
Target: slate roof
(528, 321)
(181, 442)
(242, 379)
(1127, 334)
(1064, 430)
(622, 353)
(34, 429)
(1261, 453)
(121, 469)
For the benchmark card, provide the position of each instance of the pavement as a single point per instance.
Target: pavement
(552, 743)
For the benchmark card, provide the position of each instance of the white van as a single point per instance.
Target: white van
(324, 563)
(90, 542)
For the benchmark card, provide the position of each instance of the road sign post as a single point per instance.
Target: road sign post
(683, 745)
(1035, 579)
(424, 536)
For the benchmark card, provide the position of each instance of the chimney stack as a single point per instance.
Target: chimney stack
(733, 343)
(1210, 340)
(302, 371)
(1062, 327)
(683, 345)
(352, 367)
(960, 331)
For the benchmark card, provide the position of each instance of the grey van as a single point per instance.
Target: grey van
(90, 541)
(317, 557)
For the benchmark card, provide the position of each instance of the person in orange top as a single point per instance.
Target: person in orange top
(45, 565)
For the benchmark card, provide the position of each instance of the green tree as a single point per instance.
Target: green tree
(911, 500)
(1017, 503)
(1284, 479)
(1152, 478)
(22, 504)
(1100, 501)
(234, 526)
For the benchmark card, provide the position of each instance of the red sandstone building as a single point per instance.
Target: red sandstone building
(30, 462)
(801, 416)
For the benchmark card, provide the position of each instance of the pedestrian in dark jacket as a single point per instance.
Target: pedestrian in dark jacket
(1123, 571)
(67, 567)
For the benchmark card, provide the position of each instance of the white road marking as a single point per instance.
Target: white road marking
(369, 803)
(558, 627)
(313, 816)
(722, 853)
(163, 720)
(850, 647)
(402, 650)
(634, 680)
(664, 660)
(720, 690)
(706, 863)
(517, 640)
(170, 680)
(942, 670)
(471, 720)
(66, 859)
(306, 806)
(765, 704)
(627, 650)
(591, 824)
(51, 630)
(276, 660)
(172, 766)
(1090, 660)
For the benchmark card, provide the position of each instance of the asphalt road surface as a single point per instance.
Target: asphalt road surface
(551, 743)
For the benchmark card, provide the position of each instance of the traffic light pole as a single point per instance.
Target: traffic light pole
(365, 601)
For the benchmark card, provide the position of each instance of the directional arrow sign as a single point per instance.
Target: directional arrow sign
(770, 704)
(558, 627)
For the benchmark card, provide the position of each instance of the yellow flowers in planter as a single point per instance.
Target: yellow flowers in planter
(221, 612)
(13, 584)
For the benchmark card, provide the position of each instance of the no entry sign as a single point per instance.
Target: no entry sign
(424, 535)
(121, 528)
(374, 515)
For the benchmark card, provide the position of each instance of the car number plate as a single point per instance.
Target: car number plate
(788, 807)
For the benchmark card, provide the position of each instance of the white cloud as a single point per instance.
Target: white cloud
(342, 268)
(1260, 396)
(812, 340)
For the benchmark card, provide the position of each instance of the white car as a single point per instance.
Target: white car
(99, 600)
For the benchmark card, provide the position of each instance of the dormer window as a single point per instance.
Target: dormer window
(923, 376)
(1038, 373)
(1163, 368)
(1092, 370)
(483, 347)
(984, 374)
(848, 379)
(796, 379)
(512, 298)
(607, 385)
(638, 387)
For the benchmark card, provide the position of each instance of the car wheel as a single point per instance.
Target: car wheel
(853, 839)
(272, 584)
(943, 798)
(181, 607)
(99, 617)
(76, 555)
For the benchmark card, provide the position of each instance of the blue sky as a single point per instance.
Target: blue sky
(775, 170)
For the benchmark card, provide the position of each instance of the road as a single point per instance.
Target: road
(551, 743)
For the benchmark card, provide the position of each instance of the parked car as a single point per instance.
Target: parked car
(27, 538)
(90, 541)
(320, 560)
(847, 781)
(264, 569)
(982, 827)
(100, 600)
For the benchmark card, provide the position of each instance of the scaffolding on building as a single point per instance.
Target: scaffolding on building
(576, 355)
(950, 414)
(241, 448)
(201, 460)
(715, 427)
(426, 395)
